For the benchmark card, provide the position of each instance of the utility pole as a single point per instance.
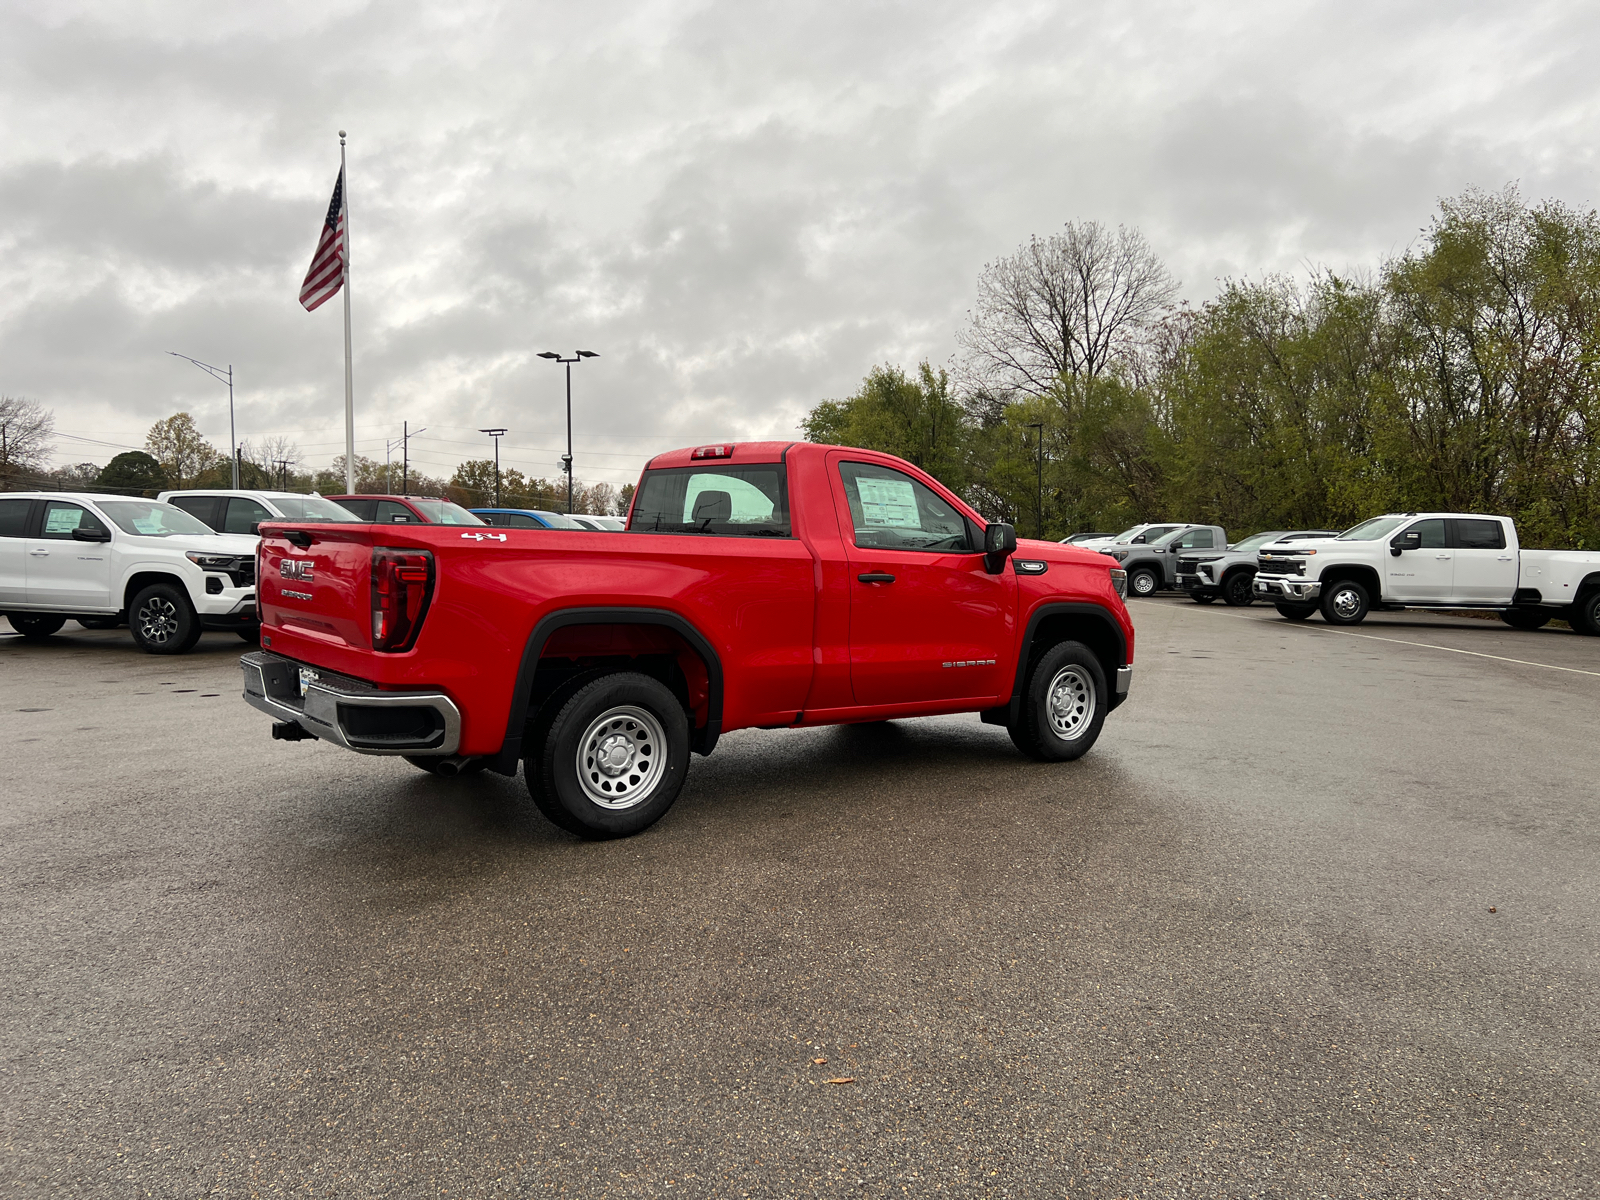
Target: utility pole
(405, 454)
(496, 434)
(1038, 520)
(566, 459)
(220, 376)
(283, 472)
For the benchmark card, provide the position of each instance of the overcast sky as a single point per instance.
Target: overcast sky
(741, 206)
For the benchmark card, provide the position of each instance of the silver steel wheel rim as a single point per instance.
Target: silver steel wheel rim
(1143, 583)
(158, 619)
(1345, 602)
(621, 757)
(1071, 702)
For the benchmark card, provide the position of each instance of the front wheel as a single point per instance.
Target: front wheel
(1063, 705)
(35, 626)
(1345, 603)
(163, 621)
(1295, 612)
(1525, 618)
(614, 758)
(1239, 589)
(1143, 582)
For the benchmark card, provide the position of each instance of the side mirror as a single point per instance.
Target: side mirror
(85, 534)
(255, 528)
(1411, 539)
(999, 544)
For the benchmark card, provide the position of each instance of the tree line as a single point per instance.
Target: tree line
(177, 455)
(1460, 375)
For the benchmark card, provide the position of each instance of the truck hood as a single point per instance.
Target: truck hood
(1058, 552)
(242, 544)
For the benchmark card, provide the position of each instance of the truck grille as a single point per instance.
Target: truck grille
(1271, 564)
(1188, 566)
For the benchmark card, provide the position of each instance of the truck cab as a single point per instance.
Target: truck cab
(1151, 558)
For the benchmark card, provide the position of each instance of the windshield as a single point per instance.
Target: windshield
(1371, 531)
(442, 512)
(150, 518)
(1150, 532)
(313, 508)
(1260, 539)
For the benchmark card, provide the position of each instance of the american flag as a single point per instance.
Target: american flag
(326, 275)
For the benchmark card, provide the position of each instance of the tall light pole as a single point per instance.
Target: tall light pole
(217, 374)
(566, 459)
(1038, 520)
(496, 434)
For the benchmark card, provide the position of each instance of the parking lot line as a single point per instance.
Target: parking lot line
(1372, 637)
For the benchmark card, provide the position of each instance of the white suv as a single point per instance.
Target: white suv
(241, 511)
(97, 557)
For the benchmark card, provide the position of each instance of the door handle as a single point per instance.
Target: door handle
(1505, 558)
(876, 577)
(40, 553)
(1442, 557)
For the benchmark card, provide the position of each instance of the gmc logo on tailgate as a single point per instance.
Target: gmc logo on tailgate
(296, 568)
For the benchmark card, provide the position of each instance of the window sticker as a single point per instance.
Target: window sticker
(888, 503)
(150, 525)
(62, 520)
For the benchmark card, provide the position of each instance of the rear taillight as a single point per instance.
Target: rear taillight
(402, 585)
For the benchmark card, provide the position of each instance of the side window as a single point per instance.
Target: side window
(1196, 539)
(518, 521)
(14, 517)
(1478, 534)
(892, 511)
(393, 513)
(61, 518)
(363, 509)
(722, 501)
(1432, 531)
(243, 513)
(203, 508)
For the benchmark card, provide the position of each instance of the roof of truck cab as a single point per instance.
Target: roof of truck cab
(739, 452)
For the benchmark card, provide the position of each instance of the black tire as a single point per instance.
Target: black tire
(1239, 589)
(430, 764)
(1204, 597)
(1295, 612)
(1142, 581)
(163, 621)
(36, 627)
(251, 634)
(98, 622)
(1345, 602)
(647, 731)
(1585, 615)
(1526, 618)
(1049, 732)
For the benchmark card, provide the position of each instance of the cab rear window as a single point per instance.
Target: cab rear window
(720, 501)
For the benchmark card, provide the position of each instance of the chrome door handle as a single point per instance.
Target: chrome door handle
(876, 577)
(1505, 558)
(1442, 557)
(40, 553)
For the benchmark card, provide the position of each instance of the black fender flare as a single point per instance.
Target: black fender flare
(505, 762)
(1009, 713)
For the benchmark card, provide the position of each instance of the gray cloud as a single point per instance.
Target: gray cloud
(741, 206)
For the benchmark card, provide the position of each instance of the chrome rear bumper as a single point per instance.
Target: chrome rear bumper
(351, 712)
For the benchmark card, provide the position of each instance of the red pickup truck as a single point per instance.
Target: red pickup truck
(768, 584)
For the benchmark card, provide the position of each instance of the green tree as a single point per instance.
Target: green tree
(177, 445)
(133, 472)
(916, 418)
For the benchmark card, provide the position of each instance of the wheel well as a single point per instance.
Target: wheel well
(1365, 576)
(1094, 632)
(137, 583)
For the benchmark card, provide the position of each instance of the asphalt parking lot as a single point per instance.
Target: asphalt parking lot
(1318, 917)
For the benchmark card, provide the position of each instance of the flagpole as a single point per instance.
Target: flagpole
(349, 387)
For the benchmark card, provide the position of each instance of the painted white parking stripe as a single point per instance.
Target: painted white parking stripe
(1372, 637)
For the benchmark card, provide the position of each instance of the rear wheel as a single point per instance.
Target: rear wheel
(35, 626)
(1063, 705)
(1525, 618)
(1295, 612)
(251, 634)
(1585, 616)
(163, 621)
(1238, 589)
(1142, 581)
(1345, 603)
(613, 759)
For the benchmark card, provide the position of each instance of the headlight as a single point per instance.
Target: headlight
(1205, 569)
(1119, 580)
(211, 562)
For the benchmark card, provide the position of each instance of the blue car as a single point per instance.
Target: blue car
(526, 518)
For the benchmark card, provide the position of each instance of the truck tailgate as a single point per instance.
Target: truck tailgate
(320, 590)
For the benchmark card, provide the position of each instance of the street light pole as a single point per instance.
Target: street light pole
(1038, 519)
(217, 374)
(496, 434)
(566, 459)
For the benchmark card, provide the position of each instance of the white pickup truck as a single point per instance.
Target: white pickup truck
(1431, 560)
(96, 558)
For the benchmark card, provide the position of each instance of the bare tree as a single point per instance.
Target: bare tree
(1071, 304)
(25, 442)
